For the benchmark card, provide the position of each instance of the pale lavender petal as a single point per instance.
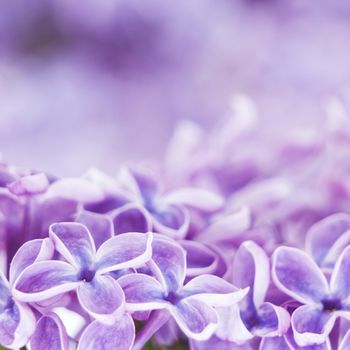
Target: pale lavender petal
(345, 343)
(275, 343)
(131, 218)
(311, 325)
(296, 274)
(197, 198)
(17, 324)
(289, 338)
(252, 269)
(50, 334)
(102, 298)
(227, 227)
(322, 236)
(195, 318)
(340, 282)
(274, 321)
(30, 252)
(100, 226)
(76, 189)
(31, 184)
(213, 290)
(219, 344)
(124, 251)
(44, 280)
(200, 258)
(168, 263)
(142, 292)
(74, 242)
(98, 336)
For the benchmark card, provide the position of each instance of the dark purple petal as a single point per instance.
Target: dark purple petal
(74, 242)
(324, 235)
(195, 318)
(142, 292)
(251, 269)
(30, 252)
(168, 263)
(171, 220)
(131, 218)
(100, 226)
(213, 290)
(124, 251)
(200, 258)
(297, 275)
(102, 298)
(197, 198)
(50, 334)
(31, 184)
(311, 325)
(44, 280)
(98, 336)
(17, 324)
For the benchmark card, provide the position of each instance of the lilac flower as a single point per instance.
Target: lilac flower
(140, 205)
(191, 305)
(85, 270)
(296, 274)
(17, 321)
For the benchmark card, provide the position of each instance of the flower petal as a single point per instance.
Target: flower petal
(30, 252)
(100, 226)
(124, 251)
(251, 269)
(197, 198)
(213, 290)
(200, 259)
(76, 189)
(340, 283)
(322, 236)
(50, 334)
(274, 343)
(345, 343)
(216, 343)
(31, 184)
(297, 275)
(102, 298)
(311, 325)
(131, 218)
(98, 336)
(196, 319)
(45, 279)
(168, 263)
(274, 321)
(17, 324)
(142, 292)
(74, 242)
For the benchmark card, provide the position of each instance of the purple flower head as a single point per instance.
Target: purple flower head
(296, 274)
(137, 203)
(85, 270)
(191, 305)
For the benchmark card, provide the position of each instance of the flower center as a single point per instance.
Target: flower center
(172, 298)
(87, 274)
(331, 304)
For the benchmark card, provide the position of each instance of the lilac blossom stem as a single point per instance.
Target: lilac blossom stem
(154, 323)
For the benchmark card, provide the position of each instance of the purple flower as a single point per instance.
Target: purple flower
(191, 305)
(296, 274)
(85, 270)
(137, 203)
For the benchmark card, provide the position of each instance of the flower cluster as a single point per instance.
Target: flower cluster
(230, 243)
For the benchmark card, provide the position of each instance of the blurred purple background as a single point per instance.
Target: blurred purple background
(96, 82)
